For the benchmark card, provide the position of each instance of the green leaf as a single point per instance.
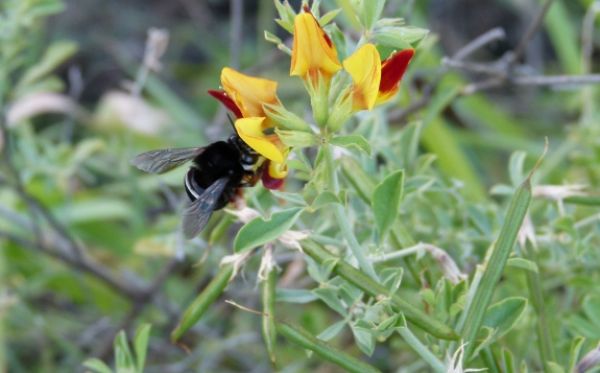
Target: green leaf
(386, 201)
(483, 290)
(399, 37)
(331, 331)
(503, 315)
(55, 55)
(508, 361)
(371, 11)
(97, 366)
(329, 16)
(123, 357)
(352, 141)
(553, 367)
(364, 339)
(260, 231)
(574, 352)
(300, 296)
(330, 297)
(324, 199)
(140, 345)
(515, 167)
(521, 263)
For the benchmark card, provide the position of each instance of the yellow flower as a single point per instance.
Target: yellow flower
(364, 66)
(254, 132)
(313, 53)
(249, 93)
(374, 81)
(274, 175)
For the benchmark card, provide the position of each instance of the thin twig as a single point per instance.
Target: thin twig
(556, 80)
(479, 42)
(532, 29)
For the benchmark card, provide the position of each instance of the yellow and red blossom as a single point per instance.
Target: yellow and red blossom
(375, 82)
(245, 95)
(248, 92)
(313, 53)
(364, 66)
(392, 71)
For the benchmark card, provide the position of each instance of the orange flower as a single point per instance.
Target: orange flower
(313, 53)
(245, 96)
(375, 82)
(253, 131)
(249, 93)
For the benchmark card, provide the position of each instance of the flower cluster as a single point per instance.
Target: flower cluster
(259, 112)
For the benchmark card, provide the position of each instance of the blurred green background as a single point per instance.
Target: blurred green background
(74, 160)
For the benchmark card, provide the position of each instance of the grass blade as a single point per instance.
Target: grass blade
(494, 264)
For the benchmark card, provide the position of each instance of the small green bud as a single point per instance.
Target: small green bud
(296, 139)
(285, 119)
(341, 111)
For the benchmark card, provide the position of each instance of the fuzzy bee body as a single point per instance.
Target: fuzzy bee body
(216, 174)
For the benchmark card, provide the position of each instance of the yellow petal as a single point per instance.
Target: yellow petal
(278, 170)
(364, 66)
(251, 131)
(248, 92)
(313, 52)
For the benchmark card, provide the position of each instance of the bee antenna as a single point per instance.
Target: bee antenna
(232, 123)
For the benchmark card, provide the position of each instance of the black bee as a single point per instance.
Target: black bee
(214, 178)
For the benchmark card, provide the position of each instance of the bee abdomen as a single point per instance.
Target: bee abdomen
(192, 188)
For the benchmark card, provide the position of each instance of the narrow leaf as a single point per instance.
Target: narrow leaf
(375, 289)
(207, 297)
(386, 201)
(140, 345)
(505, 314)
(97, 366)
(259, 231)
(352, 141)
(495, 265)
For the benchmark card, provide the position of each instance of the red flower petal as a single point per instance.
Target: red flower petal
(227, 101)
(393, 68)
(270, 182)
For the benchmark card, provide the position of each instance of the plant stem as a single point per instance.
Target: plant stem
(375, 289)
(421, 349)
(344, 223)
(537, 300)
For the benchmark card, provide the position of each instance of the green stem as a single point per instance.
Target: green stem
(342, 219)
(375, 289)
(537, 300)
(203, 301)
(306, 340)
(421, 350)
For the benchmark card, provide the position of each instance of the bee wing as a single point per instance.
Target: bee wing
(197, 213)
(163, 160)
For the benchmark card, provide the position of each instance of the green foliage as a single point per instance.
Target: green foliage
(398, 235)
(126, 361)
